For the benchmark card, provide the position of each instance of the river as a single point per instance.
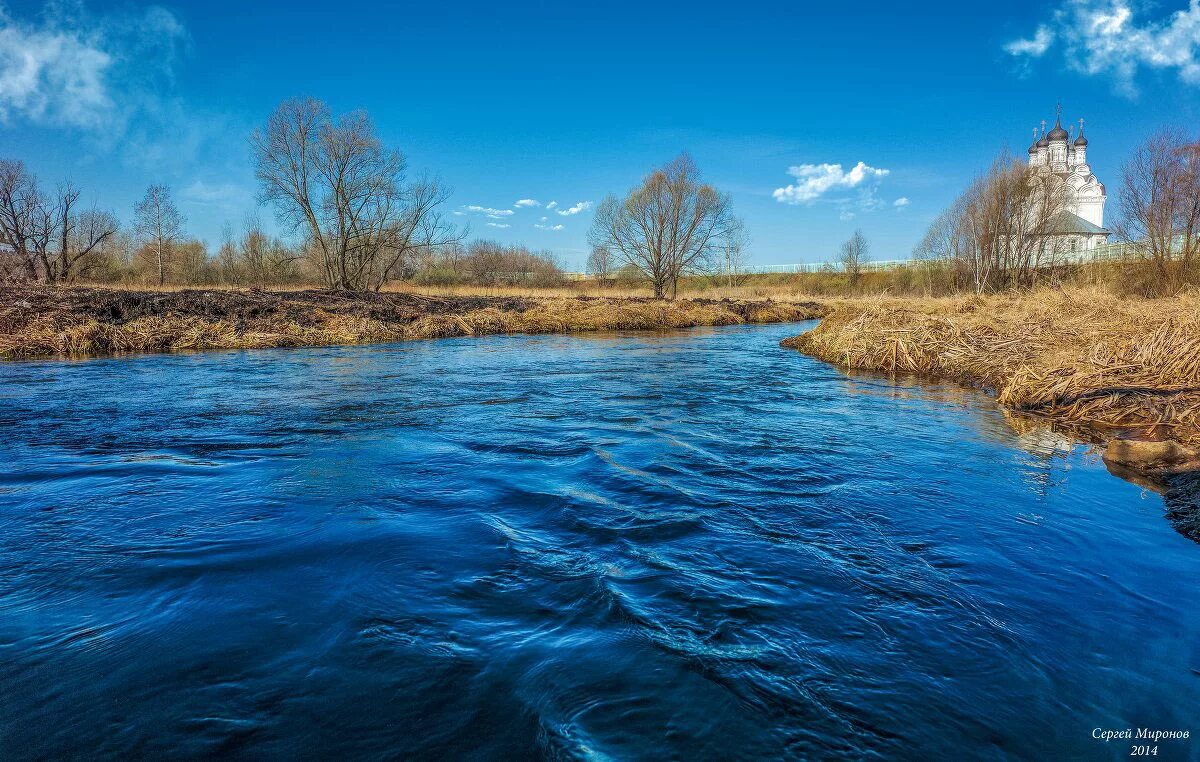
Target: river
(685, 545)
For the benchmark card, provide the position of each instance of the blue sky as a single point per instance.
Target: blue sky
(567, 102)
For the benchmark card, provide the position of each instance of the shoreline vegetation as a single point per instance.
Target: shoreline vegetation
(1123, 373)
(1116, 371)
(38, 321)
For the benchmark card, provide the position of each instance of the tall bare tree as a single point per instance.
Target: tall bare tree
(334, 180)
(1002, 232)
(79, 235)
(670, 224)
(1160, 208)
(600, 264)
(160, 225)
(853, 254)
(47, 238)
(733, 254)
(25, 222)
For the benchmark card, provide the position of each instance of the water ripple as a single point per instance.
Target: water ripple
(645, 546)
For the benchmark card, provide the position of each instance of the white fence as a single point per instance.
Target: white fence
(1104, 252)
(1101, 253)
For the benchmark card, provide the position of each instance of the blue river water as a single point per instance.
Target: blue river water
(689, 545)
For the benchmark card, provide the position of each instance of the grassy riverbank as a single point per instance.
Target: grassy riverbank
(1105, 367)
(40, 321)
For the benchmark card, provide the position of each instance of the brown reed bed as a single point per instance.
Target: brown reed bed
(1102, 366)
(40, 321)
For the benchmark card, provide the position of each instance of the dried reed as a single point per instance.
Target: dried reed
(45, 321)
(1084, 358)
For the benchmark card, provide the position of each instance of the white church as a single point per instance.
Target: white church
(1081, 225)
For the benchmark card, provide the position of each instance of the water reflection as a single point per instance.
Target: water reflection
(1051, 446)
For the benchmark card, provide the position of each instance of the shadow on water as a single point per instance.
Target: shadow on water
(688, 544)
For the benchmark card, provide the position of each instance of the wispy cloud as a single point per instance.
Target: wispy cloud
(901, 202)
(816, 180)
(845, 215)
(528, 202)
(580, 207)
(1103, 38)
(498, 225)
(1034, 46)
(221, 195)
(552, 204)
(495, 214)
(78, 71)
(540, 226)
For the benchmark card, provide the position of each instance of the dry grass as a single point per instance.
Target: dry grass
(690, 288)
(45, 321)
(1086, 359)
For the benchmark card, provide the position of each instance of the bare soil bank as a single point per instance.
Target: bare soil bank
(39, 321)
(1117, 371)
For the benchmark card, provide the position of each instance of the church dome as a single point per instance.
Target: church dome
(1058, 133)
(1043, 143)
(1081, 140)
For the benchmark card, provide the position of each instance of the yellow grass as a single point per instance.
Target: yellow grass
(689, 289)
(40, 321)
(1083, 358)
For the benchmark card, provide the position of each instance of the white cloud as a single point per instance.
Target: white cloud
(73, 70)
(228, 196)
(580, 207)
(52, 76)
(1035, 46)
(528, 202)
(495, 214)
(552, 204)
(845, 215)
(540, 226)
(498, 225)
(1103, 37)
(901, 202)
(815, 180)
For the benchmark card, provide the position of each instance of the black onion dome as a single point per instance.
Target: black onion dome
(1081, 140)
(1058, 133)
(1043, 143)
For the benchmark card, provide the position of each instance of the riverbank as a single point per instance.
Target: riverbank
(1124, 372)
(40, 321)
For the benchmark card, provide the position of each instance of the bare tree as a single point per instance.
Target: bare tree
(733, 255)
(79, 236)
(488, 263)
(600, 264)
(192, 263)
(159, 223)
(669, 225)
(47, 239)
(1003, 230)
(25, 223)
(334, 180)
(1160, 208)
(854, 253)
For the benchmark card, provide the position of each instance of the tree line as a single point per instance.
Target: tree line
(998, 234)
(353, 218)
